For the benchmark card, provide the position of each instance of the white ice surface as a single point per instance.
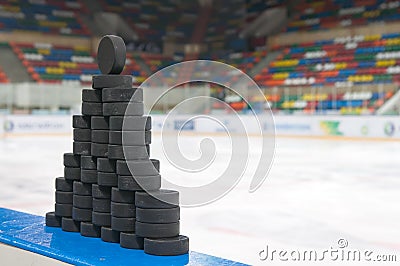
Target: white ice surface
(318, 191)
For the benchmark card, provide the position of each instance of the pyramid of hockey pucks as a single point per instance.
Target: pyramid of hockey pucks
(98, 195)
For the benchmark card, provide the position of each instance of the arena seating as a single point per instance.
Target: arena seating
(3, 77)
(244, 61)
(319, 15)
(55, 17)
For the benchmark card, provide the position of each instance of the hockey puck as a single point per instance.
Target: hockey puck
(122, 95)
(92, 109)
(131, 241)
(123, 224)
(100, 123)
(101, 218)
(52, 220)
(100, 136)
(80, 121)
(109, 235)
(64, 185)
(101, 192)
(139, 183)
(107, 179)
(69, 225)
(111, 81)
(99, 150)
(130, 123)
(90, 230)
(173, 246)
(157, 230)
(64, 210)
(111, 54)
(106, 165)
(72, 173)
(122, 196)
(83, 189)
(118, 152)
(64, 197)
(83, 202)
(138, 167)
(91, 96)
(81, 215)
(158, 216)
(88, 162)
(132, 138)
(72, 160)
(165, 199)
(101, 205)
(82, 135)
(89, 176)
(123, 210)
(119, 109)
(81, 148)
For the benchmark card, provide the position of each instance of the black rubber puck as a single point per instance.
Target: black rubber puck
(109, 235)
(92, 109)
(122, 95)
(111, 54)
(81, 134)
(139, 183)
(64, 197)
(101, 192)
(72, 160)
(107, 179)
(52, 220)
(83, 202)
(89, 176)
(158, 216)
(165, 199)
(157, 230)
(101, 218)
(138, 167)
(72, 173)
(130, 137)
(83, 189)
(100, 136)
(117, 152)
(81, 148)
(101, 205)
(131, 241)
(81, 215)
(99, 150)
(123, 224)
(122, 196)
(90, 230)
(69, 225)
(100, 122)
(88, 162)
(132, 123)
(119, 109)
(63, 184)
(111, 81)
(123, 210)
(64, 210)
(173, 246)
(91, 96)
(80, 121)
(106, 165)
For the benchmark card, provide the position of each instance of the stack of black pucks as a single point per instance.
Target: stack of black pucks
(157, 221)
(82, 135)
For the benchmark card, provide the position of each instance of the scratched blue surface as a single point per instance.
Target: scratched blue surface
(28, 232)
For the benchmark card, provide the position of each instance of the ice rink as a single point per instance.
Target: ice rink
(318, 191)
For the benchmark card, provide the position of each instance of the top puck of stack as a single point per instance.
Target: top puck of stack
(64, 185)
(88, 162)
(100, 123)
(164, 199)
(72, 160)
(132, 123)
(122, 95)
(91, 96)
(111, 81)
(80, 121)
(111, 54)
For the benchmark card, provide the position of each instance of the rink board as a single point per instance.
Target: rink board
(27, 235)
